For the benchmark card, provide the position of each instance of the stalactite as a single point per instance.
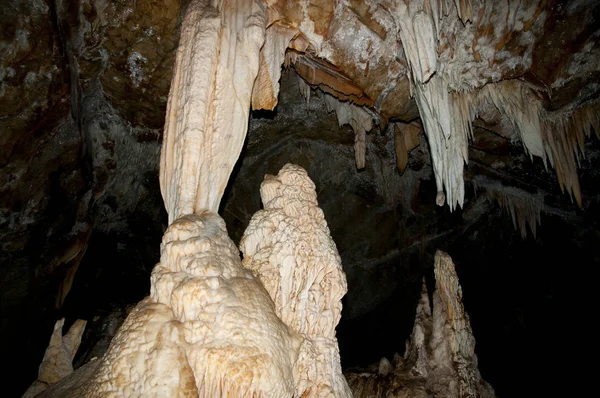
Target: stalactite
(513, 100)
(208, 328)
(272, 55)
(288, 246)
(358, 118)
(446, 120)
(304, 92)
(207, 113)
(446, 70)
(446, 117)
(419, 38)
(406, 138)
(524, 210)
(557, 138)
(564, 141)
(464, 9)
(523, 207)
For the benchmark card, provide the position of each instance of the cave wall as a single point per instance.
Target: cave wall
(83, 89)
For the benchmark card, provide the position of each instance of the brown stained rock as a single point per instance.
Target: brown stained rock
(320, 12)
(406, 138)
(365, 15)
(137, 40)
(375, 63)
(566, 31)
(288, 10)
(328, 78)
(32, 85)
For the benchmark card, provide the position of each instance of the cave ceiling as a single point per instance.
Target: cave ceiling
(488, 103)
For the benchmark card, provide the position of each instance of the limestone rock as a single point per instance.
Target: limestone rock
(288, 246)
(208, 329)
(440, 358)
(209, 102)
(58, 358)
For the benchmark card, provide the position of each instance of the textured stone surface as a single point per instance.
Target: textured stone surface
(440, 358)
(288, 247)
(209, 102)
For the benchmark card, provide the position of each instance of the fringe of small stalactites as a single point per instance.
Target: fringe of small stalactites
(358, 117)
(556, 138)
(447, 117)
(565, 139)
(524, 208)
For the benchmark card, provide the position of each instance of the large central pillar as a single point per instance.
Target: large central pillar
(207, 113)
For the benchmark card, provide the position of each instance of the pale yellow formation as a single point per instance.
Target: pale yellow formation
(288, 246)
(272, 55)
(358, 118)
(440, 358)
(453, 363)
(207, 114)
(208, 329)
(58, 358)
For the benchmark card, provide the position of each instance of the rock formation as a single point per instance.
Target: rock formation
(453, 57)
(209, 102)
(58, 358)
(440, 358)
(288, 246)
(209, 328)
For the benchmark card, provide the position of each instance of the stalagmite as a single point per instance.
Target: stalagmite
(58, 358)
(416, 353)
(288, 246)
(209, 102)
(440, 358)
(453, 361)
(208, 329)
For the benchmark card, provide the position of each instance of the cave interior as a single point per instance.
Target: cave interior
(83, 96)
